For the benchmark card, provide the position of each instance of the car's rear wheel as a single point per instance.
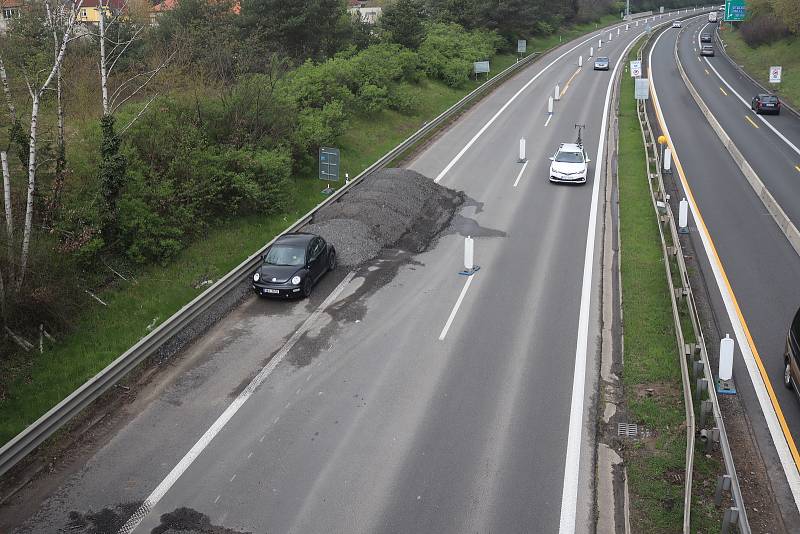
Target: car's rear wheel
(332, 260)
(307, 287)
(787, 375)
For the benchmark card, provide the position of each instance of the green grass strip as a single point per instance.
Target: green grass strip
(656, 463)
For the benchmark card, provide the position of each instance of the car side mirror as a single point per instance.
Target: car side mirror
(552, 158)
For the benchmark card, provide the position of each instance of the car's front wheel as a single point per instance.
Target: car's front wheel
(307, 286)
(332, 260)
(787, 374)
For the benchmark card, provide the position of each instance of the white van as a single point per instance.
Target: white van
(712, 17)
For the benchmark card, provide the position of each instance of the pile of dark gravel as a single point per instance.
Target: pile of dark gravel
(397, 208)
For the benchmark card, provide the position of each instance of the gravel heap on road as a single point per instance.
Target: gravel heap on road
(390, 208)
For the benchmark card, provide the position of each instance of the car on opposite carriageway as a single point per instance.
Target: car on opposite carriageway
(292, 265)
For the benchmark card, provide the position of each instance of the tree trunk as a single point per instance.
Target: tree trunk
(7, 91)
(26, 233)
(9, 215)
(103, 67)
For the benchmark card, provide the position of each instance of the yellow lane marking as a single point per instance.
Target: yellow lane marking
(797, 167)
(722, 90)
(754, 125)
(569, 82)
(707, 73)
(701, 223)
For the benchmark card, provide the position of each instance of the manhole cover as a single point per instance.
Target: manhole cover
(628, 430)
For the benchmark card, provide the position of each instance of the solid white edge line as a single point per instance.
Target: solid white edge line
(520, 173)
(776, 433)
(455, 308)
(747, 105)
(505, 106)
(569, 494)
(152, 500)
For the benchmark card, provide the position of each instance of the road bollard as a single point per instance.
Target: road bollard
(599, 44)
(580, 61)
(667, 161)
(557, 93)
(522, 150)
(591, 51)
(683, 217)
(469, 253)
(550, 105)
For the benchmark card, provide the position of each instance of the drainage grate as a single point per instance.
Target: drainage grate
(628, 430)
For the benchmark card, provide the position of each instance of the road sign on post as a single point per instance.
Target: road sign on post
(636, 68)
(328, 166)
(522, 46)
(735, 10)
(775, 74)
(642, 89)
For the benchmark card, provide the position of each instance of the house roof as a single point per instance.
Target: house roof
(113, 4)
(168, 5)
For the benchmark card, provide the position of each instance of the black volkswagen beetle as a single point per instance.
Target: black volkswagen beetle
(292, 265)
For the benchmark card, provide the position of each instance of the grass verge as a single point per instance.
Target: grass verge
(34, 384)
(652, 375)
(757, 61)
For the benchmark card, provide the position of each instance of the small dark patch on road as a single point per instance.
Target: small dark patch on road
(469, 227)
(105, 521)
(188, 521)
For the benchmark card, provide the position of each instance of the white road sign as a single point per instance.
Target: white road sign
(775, 74)
(642, 89)
(636, 68)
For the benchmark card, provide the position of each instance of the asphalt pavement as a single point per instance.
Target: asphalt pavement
(416, 399)
(760, 266)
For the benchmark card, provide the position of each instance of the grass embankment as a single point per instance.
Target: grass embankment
(757, 61)
(35, 385)
(652, 374)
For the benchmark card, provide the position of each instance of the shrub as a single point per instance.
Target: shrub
(448, 51)
(763, 29)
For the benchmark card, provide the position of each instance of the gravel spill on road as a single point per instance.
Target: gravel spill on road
(389, 208)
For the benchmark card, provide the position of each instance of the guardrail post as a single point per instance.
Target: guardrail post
(723, 484)
(706, 409)
(730, 518)
(697, 367)
(701, 386)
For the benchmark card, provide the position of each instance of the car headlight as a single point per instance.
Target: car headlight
(296, 280)
(256, 277)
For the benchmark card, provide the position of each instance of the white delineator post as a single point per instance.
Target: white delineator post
(591, 51)
(557, 93)
(627, 27)
(599, 44)
(469, 254)
(667, 160)
(550, 105)
(726, 347)
(522, 149)
(580, 61)
(683, 217)
(618, 30)
(609, 36)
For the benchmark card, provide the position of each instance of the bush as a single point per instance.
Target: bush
(448, 51)
(763, 29)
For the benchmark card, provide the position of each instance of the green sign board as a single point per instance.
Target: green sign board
(735, 10)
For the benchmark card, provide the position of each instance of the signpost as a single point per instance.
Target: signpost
(636, 68)
(522, 47)
(775, 74)
(735, 10)
(642, 89)
(480, 66)
(328, 167)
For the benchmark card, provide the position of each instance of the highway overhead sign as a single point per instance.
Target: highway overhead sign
(636, 68)
(775, 74)
(735, 10)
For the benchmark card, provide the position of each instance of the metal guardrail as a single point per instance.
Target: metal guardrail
(697, 354)
(44, 427)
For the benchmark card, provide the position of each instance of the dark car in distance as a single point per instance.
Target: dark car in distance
(705, 38)
(292, 265)
(765, 103)
(791, 355)
(707, 50)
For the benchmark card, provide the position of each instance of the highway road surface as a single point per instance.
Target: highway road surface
(749, 266)
(403, 397)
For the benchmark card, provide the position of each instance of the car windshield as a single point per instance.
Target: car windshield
(602, 60)
(286, 255)
(769, 99)
(569, 157)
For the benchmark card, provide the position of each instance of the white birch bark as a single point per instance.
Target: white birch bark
(7, 91)
(7, 204)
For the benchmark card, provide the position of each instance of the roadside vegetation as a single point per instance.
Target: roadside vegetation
(652, 375)
(769, 36)
(196, 144)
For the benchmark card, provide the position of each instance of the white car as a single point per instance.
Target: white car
(569, 164)
(677, 24)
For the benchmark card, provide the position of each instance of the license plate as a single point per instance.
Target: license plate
(273, 291)
(769, 105)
